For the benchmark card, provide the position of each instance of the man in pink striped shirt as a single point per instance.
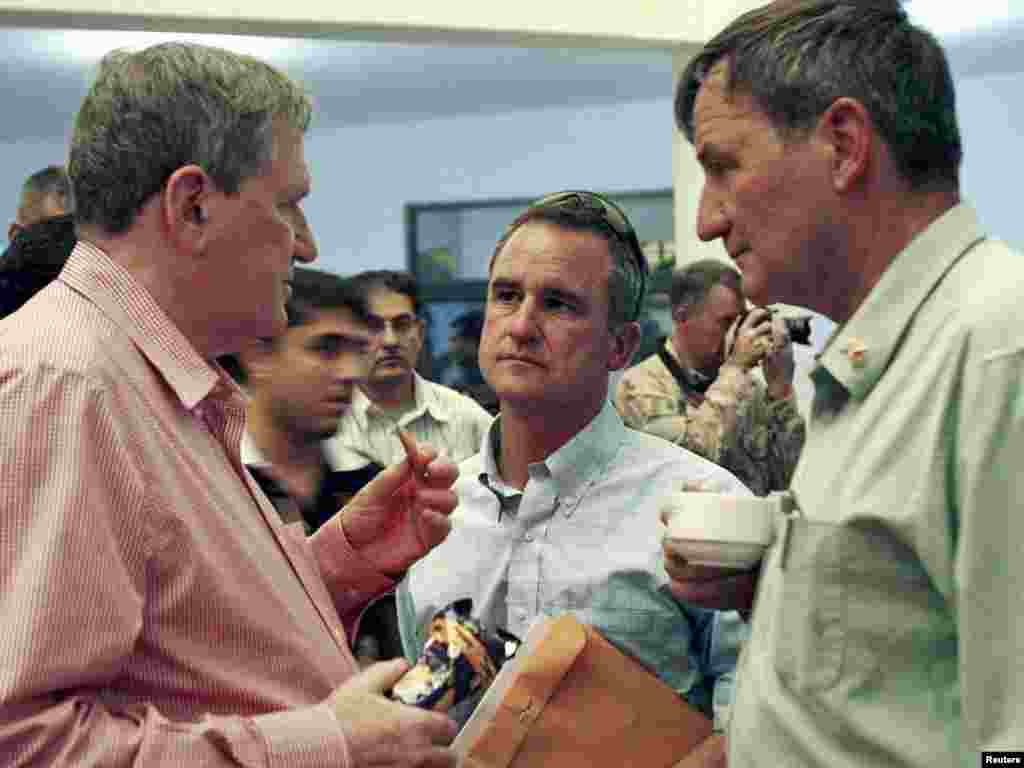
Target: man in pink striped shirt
(156, 609)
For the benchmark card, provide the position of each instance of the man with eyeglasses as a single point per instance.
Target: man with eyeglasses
(395, 394)
(559, 511)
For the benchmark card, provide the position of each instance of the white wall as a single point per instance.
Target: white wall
(18, 161)
(362, 175)
(991, 112)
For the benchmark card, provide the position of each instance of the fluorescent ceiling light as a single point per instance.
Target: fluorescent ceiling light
(945, 18)
(89, 46)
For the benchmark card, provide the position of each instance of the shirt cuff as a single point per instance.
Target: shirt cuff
(345, 570)
(311, 736)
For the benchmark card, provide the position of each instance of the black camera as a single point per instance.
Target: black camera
(798, 328)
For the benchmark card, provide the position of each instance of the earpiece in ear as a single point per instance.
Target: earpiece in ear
(199, 216)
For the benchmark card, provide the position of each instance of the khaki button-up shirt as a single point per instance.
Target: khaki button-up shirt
(888, 629)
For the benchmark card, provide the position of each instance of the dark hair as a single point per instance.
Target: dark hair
(795, 58)
(399, 282)
(625, 285)
(313, 291)
(51, 181)
(154, 111)
(691, 283)
(34, 258)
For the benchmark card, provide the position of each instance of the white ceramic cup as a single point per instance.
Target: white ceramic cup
(720, 530)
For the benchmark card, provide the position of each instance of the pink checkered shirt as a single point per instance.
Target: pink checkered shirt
(155, 609)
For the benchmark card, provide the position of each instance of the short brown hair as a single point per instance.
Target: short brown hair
(626, 286)
(796, 57)
(690, 284)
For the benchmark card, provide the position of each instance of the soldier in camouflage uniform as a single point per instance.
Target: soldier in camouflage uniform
(718, 405)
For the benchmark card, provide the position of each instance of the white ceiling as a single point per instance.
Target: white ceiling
(48, 71)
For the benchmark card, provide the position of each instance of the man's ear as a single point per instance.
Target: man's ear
(848, 132)
(185, 202)
(625, 341)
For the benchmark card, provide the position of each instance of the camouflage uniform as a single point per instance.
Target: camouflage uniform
(734, 423)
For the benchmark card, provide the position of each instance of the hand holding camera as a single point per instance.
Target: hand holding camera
(752, 339)
(778, 364)
(764, 337)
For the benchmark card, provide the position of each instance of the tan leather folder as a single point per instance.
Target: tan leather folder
(571, 699)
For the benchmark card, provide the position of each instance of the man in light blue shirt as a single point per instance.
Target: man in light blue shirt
(559, 511)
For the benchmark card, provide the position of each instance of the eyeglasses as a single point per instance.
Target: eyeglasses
(612, 217)
(401, 325)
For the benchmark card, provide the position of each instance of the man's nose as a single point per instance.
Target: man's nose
(712, 220)
(388, 335)
(523, 322)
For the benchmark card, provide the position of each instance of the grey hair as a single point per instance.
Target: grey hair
(625, 283)
(796, 57)
(152, 112)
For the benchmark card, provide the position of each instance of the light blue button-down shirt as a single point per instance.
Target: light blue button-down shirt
(583, 536)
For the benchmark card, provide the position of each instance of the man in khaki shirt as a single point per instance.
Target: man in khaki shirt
(715, 403)
(887, 628)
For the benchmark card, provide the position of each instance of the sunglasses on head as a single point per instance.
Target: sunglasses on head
(612, 217)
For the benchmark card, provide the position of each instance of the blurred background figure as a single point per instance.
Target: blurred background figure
(710, 397)
(45, 194)
(460, 367)
(34, 258)
(393, 393)
(300, 384)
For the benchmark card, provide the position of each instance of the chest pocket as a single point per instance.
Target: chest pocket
(854, 603)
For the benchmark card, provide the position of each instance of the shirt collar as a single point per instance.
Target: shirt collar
(425, 401)
(698, 382)
(573, 465)
(112, 288)
(251, 455)
(859, 351)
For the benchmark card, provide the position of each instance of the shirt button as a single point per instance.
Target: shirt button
(528, 537)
